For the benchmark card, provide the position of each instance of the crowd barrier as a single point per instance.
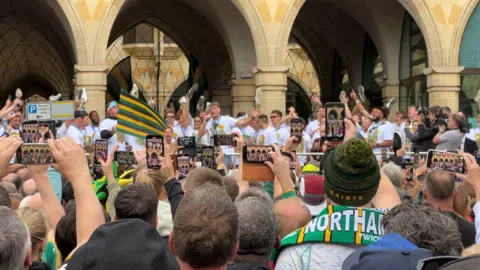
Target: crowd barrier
(321, 154)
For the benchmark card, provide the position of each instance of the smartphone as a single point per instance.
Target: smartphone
(184, 165)
(224, 140)
(154, 151)
(408, 166)
(334, 126)
(101, 152)
(208, 157)
(384, 155)
(125, 158)
(297, 126)
(446, 162)
(256, 153)
(34, 154)
(30, 132)
(416, 158)
(188, 145)
(477, 156)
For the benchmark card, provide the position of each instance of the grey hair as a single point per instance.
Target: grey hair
(394, 173)
(258, 226)
(425, 227)
(14, 240)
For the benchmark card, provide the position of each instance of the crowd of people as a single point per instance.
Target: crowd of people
(343, 205)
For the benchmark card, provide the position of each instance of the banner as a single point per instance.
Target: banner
(136, 118)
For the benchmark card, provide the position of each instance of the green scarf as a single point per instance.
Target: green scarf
(338, 225)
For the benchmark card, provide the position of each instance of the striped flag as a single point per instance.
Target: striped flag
(136, 118)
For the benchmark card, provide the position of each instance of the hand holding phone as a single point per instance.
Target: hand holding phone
(154, 147)
(446, 162)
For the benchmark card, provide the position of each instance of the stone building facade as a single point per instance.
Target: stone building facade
(424, 52)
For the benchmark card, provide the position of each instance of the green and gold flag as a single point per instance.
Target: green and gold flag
(136, 118)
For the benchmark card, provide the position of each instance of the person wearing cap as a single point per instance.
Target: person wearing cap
(76, 130)
(108, 128)
(312, 193)
(354, 188)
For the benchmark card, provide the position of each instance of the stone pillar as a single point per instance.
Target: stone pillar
(443, 86)
(243, 95)
(390, 89)
(94, 79)
(273, 83)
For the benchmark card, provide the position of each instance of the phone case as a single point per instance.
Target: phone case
(253, 165)
(154, 150)
(34, 154)
(334, 125)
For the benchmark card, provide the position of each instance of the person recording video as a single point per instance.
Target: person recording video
(450, 136)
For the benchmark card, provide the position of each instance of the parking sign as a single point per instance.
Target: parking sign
(38, 111)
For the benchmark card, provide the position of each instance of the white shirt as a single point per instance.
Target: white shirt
(108, 124)
(282, 134)
(91, 133)
(224, 125)
(2, 130)
(266, 137)
(381, 132)
(76, 134)
(247, 132)
(179, 131)
(474, 134)
(476, 211)
(62, 131)
(401, 131)
(133, 141)
(312, 126)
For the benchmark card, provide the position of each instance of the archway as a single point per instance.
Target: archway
(37, 50)
(298, 98)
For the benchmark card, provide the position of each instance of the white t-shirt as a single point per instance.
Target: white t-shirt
(14, 132)
(247, 132)
(266, 136)
(312, 126)
(474, 134)
(2, 130)
(282, 134)
(62, 131)
(76, 134)
(134, 142)
(108, 124)
(401, 131)
(179, 131)
(304, 147)
(380, 132)
(224, 125)
(91, 133)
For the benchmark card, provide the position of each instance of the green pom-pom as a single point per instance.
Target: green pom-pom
(358, 153)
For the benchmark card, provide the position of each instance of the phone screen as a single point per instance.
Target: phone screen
(224, 140)
(416, 159)
(208, 157)
(477, 156)
(154, 151)
(34, 153)
(188, 145)
(125, 158)
(101, 151)
(384, 155)
(408, 166)
(184, 165)
(297, 126)
(335, 113)
(256, 153)
(446, 162)
(44, 127)
(30, 132)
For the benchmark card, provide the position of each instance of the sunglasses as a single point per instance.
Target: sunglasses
(274, 116)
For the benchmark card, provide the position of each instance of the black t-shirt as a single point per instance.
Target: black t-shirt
(466, 229)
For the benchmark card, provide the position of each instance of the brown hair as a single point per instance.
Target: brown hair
(462, 199)
(153, 178)
(231, 186)
(205, 228)
(277, 112)
(200, 176)
(137, 201)
(37, 225)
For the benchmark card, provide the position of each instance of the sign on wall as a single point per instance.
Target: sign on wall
(55, 110)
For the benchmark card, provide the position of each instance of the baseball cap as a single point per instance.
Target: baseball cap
(112, 104)
(392, 252)
(123, 244)
(80, 113)
(312, 193)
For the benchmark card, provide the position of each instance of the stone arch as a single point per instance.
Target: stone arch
(459, 32)
(231, 26)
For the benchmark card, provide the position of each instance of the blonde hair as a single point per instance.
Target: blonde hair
(153, 178)
(37, 224)
(463, 198)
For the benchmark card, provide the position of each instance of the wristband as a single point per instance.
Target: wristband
(290, 194)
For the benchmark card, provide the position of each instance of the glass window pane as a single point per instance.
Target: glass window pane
(418, 69)
(418, 55)
(417, 39)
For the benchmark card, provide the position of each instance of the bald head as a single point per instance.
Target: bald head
(32, 201)
(292, 214)
(10, 187)
(13, 178)
(28, 188)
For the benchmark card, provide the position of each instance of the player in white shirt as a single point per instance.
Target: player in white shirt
(76, 130)
(197, 124)
(218, 124)
(247, 131)
(62, 131)
(314, 125)
(474, 133)
(281, 131)
(381, 134)
(185, 127)
(94, 127)
(267, 134)
(108, 129)
(170, 117)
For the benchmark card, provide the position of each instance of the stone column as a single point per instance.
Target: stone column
(94, 79)
(443, 86)
(390, 89)
(243, 95)
(273, 83)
